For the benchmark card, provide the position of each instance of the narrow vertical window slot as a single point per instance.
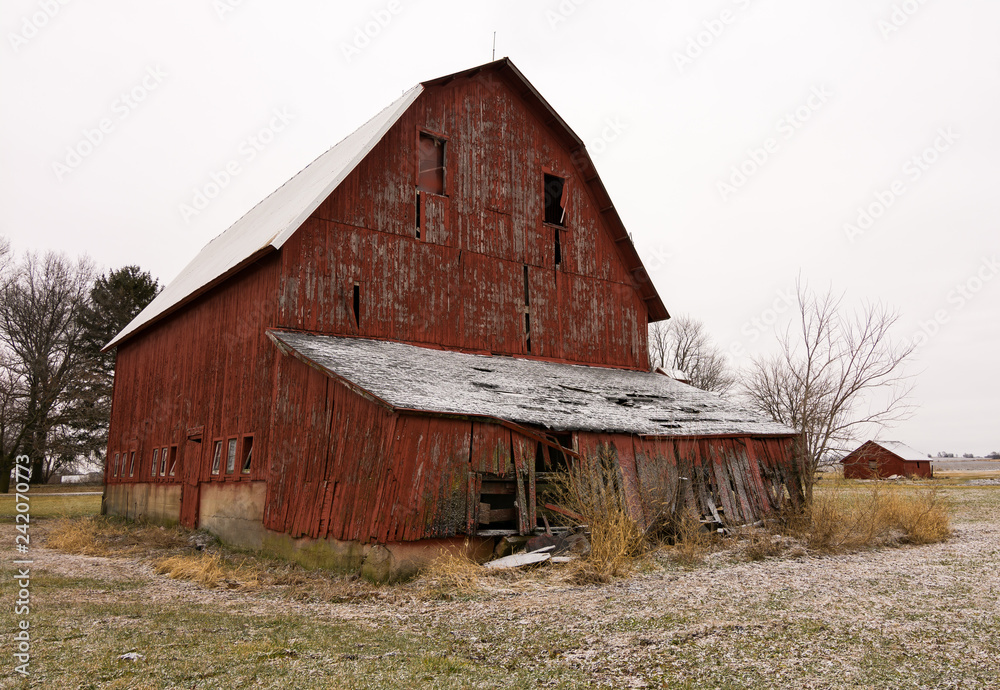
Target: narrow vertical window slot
(527, 314)
(357, 305)
(558, 246)
(418, 215)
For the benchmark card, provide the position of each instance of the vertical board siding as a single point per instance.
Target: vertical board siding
(731, 480)
(209, 365)
(350, 469)
(461, 284)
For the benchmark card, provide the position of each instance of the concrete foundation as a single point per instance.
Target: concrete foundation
(160, 503)
(234, 512)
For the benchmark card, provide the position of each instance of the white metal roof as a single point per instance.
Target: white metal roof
(556, 396)
(902, 450)
(271, 222)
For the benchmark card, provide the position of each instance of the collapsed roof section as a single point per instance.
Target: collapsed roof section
(559, 397)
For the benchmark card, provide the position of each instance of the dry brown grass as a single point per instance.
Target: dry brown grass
(103, 536)
(848, 518)
(595, 489)
(209, 570)
(692, 542)
(452, 575)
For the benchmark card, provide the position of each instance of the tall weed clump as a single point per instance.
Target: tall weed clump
(593, 487)
(848, 518)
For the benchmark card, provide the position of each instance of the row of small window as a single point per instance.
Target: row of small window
(163, 464)
(245, 455)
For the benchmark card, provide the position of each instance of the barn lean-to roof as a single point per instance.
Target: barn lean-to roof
(556, 396)
(269, 224)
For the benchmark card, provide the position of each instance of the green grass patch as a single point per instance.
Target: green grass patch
(50, 505)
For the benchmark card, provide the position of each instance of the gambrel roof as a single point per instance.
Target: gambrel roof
(269, 224)
(561, 397)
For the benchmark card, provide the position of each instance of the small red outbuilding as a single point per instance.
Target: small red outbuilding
(880, 459)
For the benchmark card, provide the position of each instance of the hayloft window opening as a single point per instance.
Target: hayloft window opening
(163, 462)
(156, 461)
(131, 464)
(431, 177)
(114, 468)
(173, 461)
(247, 454)
(555, 200)
(216, 457)
(231, 456)
(356, 305)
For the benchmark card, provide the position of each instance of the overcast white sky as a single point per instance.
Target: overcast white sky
(824, 104)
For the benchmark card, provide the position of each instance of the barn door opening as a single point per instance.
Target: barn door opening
(497, 510)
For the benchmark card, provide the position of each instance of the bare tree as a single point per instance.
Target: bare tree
(834, 378)
(683, 344)
(40, 298)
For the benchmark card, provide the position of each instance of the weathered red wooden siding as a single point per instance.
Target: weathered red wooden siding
(348, 467)
(209, 365)
(461, 285)
(735, 479)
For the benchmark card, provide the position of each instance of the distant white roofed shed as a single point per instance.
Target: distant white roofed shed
(902, 450)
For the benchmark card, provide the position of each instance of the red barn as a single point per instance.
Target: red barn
(398, 344)
(880, 459)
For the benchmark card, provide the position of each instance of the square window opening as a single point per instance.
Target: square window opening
(173, 461)
(555, 200)
(431, 177)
